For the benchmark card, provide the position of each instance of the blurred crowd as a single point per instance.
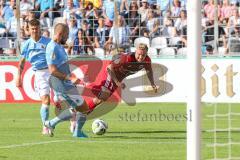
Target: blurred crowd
(221, 30)
(109, 25)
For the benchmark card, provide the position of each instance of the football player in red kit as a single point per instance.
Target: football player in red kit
(120, 68)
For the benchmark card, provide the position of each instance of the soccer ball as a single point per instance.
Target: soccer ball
(99, 127)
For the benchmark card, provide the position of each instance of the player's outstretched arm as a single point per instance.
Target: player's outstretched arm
(151, 79)
(21, 65)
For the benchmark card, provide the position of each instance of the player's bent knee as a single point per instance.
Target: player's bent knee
(97, 101)
(83, 107)
(104, 96)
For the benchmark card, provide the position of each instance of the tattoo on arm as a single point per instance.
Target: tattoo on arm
(21, 66)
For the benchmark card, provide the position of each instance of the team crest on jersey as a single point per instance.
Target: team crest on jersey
(53, 56)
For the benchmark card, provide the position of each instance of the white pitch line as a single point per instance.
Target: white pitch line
(31, 144)
(87, 141)
(132, 142)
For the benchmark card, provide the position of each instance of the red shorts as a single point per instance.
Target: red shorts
(106, 82)
(94, 89)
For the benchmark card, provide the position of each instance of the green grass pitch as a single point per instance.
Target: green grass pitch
(147, 131)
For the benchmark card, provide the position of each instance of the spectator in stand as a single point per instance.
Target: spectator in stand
(6, 11)
(152, 24)
(209, 9)
(85, 28)
(101, 34)
(91, 15)
(234, 20)
(232, 45)
(164, 5)
(81, 45)
(167, 18)
(11, 25)
(96, 3)
(143, 10)
(182, 21)
(31, 14)
(25, 6)
(11, 28)
(76, 3)
(184, 36)
(90, 11)
(168, 28)
(108, 10)
(119, 36)
(124, 7)
(175, 8)
(108, 24)
(209, 32)
(70, 10)
(133, 20)
(207, 50)
(226, 12)
(47, 9)
(204, 19)
(73, 29)
(84, 39)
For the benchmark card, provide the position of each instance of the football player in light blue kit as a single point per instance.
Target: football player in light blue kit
(34, 51)
(63, 83)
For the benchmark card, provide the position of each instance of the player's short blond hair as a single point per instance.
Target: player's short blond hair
(142, 46)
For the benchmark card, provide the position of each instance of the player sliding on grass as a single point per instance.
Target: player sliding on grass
(117, 70)
(34, 50)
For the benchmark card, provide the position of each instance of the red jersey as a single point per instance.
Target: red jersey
(126, 65)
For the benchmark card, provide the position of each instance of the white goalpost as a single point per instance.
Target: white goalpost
(194, 74)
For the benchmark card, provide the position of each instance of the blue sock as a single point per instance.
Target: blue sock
(63, 116)
(81, 119)
(44, 112)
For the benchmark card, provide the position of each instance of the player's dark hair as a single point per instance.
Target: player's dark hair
(34, 22)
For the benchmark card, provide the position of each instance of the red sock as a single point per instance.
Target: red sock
(91, 105)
